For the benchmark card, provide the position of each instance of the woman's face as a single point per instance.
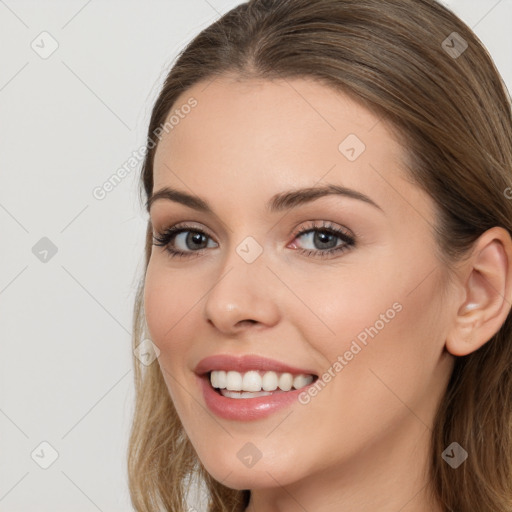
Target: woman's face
(343, 287)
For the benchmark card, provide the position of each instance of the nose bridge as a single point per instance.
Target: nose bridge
(243, 271)
(249, 250)
(242, 290)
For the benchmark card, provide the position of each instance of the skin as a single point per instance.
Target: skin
(362, 443)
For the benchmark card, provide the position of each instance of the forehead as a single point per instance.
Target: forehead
(279, 113)
(258, 136)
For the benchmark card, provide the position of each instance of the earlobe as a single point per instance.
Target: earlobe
(487, 281)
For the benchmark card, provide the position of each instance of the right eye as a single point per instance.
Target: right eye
(188, 236)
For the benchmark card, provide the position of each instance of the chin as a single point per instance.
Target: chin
(230, 471)
(248, 479)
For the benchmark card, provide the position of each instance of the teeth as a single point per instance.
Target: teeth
(270, 381)
(251, 381)
(234, 381)
(286, 381)
(257, 382)
(221, 379)
(302, 380)
(243, 394)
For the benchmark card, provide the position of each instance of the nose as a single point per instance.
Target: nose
(244, 294)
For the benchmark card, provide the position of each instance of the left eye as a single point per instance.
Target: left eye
(193, 240)
(326, 237)
(322, 239)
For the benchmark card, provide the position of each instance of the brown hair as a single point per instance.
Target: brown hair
(452, 113)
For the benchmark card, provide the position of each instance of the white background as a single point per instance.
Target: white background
(67, 123)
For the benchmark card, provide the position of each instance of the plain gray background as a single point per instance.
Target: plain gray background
(68, 121)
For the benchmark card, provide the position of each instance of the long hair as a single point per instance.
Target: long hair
(423, 71)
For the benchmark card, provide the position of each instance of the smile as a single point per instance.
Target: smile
(254, 383)
(250, 387)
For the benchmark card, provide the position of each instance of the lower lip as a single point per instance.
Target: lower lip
(246, 409)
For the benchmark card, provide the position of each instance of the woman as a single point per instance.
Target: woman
(328, 266)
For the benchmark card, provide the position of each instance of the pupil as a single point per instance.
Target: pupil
(196, 238)
(323, 235)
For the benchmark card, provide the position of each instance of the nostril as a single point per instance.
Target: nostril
(250, 321)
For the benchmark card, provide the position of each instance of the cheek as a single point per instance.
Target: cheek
(377, 336)
(340, 309)
(167, 306)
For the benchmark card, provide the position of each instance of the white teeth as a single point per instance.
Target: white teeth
(218, 379)
(233, 381)
(221, 379)
(214, 379)
(286, 381)
(302, 380)
(257, 382)
(243, 394)
(269, 381)
(251, 381)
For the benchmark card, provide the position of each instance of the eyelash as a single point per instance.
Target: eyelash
(163, 239)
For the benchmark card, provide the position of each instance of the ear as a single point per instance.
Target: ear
(486, 281)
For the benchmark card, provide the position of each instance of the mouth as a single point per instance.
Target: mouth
(250, 387)
(251, 376)
(256, 383)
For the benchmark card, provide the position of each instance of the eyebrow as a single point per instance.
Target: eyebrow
(277, 203)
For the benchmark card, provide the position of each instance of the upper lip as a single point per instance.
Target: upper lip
(245, 363)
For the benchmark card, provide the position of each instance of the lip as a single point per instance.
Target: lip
(245, 363)
(246, 409)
